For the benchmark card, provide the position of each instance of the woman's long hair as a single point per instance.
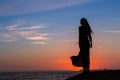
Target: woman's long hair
(85, 23)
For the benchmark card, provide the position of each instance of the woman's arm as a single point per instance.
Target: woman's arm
(90, 40)
(79, 37)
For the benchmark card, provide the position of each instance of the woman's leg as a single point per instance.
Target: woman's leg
(86, 60)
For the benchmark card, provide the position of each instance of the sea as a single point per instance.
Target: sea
(38, 75)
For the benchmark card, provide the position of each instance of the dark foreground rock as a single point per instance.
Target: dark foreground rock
(98, 75)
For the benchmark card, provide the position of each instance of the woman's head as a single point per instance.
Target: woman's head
(85, 23)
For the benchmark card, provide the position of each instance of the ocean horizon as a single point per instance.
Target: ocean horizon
(37, 75)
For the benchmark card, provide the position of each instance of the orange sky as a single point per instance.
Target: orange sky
(57, 57)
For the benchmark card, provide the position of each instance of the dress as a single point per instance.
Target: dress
(84, 46)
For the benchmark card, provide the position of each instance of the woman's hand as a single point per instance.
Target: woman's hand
(90, 45)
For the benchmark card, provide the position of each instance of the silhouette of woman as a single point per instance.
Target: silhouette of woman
(85, 43)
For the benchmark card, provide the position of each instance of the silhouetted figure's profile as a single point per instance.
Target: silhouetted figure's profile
(85, 43)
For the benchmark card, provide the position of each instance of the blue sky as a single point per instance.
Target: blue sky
(59, 14)
(42, 25)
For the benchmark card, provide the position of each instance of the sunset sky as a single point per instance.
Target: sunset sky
(43, 34)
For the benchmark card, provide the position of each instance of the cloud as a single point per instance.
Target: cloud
(25, 33)
(19, 32)
(7, 37)
(18, 7)
(40, 43)
(18, 27)
(12, 27)
(36, 38)
(7, 40)
(35, 27)
(112, 31)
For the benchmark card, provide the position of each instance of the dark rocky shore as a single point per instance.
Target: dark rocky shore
(98, 75)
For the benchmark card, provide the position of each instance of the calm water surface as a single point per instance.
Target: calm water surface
(42, 75)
